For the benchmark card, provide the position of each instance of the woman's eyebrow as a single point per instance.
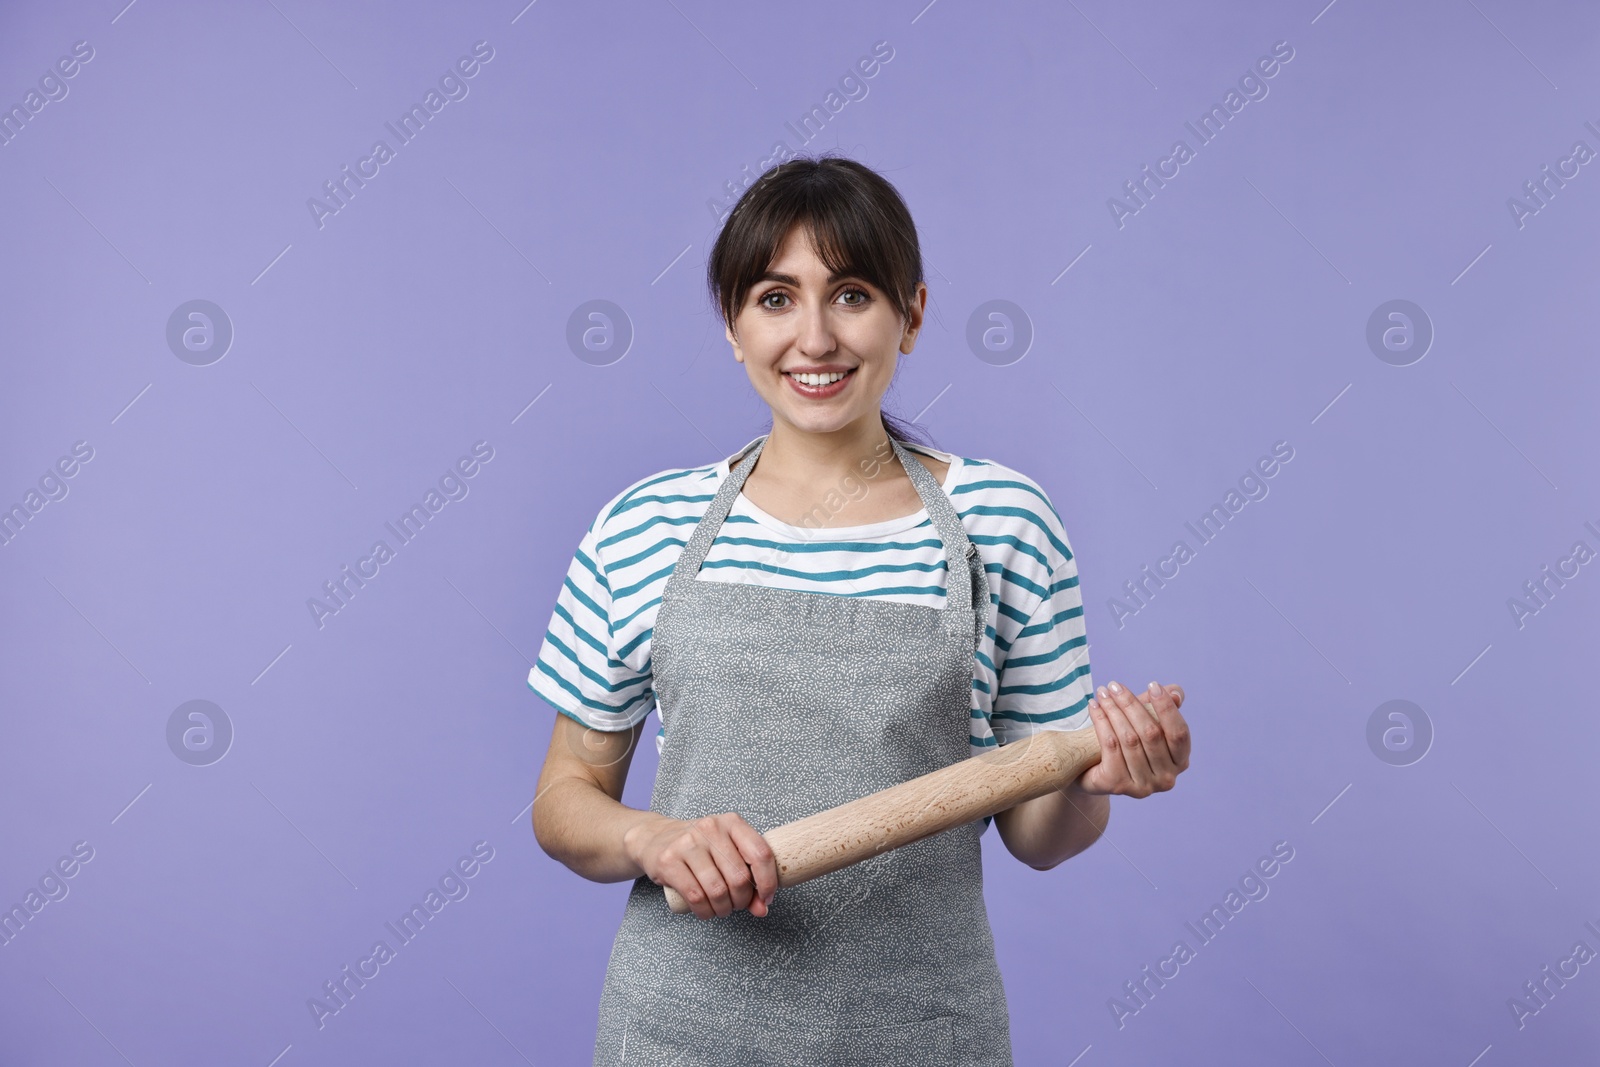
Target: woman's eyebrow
(790, 279)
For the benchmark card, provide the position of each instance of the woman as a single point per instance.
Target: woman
(830, 612)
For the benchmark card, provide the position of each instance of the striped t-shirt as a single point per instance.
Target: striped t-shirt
(1030, 672)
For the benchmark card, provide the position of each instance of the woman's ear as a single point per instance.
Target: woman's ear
(738, 353)
(913, 322)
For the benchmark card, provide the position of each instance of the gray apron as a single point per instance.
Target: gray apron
(781, 703)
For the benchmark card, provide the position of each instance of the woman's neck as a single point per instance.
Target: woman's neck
(799, 459)
(847, 478)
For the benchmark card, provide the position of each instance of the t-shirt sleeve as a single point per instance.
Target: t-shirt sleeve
(578, 671)
(1043, 683)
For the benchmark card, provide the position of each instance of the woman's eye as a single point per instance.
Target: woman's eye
(773, 301)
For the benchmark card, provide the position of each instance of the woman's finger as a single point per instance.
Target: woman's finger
(1133, 754)
(1163, 723)
(1152, 744)
(1111, 768)
(763, 866)
(1152, 736)
(730, 860)
(700, 854)
(679, 873)
(1166, 699)
(708, 878)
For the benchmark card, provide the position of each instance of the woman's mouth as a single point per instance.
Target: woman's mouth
(819, 385)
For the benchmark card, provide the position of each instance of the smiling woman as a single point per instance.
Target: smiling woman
(807, 646)
(858, 306)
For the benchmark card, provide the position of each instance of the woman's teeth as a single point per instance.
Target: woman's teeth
(818, 379)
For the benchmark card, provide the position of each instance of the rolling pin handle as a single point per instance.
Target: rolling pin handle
(675, 901)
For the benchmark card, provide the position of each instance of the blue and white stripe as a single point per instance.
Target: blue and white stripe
(1031, 671)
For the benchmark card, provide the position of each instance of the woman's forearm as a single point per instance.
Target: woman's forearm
(1046, 830)
(583, 827)
(579, 825)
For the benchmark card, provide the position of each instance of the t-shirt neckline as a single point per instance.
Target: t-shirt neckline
(845, 533)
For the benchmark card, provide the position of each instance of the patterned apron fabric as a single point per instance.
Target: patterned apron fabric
(779, 704)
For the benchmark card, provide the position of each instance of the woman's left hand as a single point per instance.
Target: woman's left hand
(1144, 742)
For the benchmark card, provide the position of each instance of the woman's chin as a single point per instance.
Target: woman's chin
(824, 422)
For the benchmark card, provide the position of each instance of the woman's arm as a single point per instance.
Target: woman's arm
(1046, 830)
(1144, 746)
(578, 815)
(718, 863)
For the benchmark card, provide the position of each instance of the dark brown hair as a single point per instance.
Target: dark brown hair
(856, 219)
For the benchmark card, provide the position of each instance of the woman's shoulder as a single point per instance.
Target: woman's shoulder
(666, 489)
(676, 491)
(974, 477)
(993, 493)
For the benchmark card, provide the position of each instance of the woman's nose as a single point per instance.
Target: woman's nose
(816, 332)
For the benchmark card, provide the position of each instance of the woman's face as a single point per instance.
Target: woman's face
(799, 331)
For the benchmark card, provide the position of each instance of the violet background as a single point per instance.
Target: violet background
(431, 313)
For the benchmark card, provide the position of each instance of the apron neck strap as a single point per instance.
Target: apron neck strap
(958, 548)
(705, 531)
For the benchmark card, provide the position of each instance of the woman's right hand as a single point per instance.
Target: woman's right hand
(718, 863)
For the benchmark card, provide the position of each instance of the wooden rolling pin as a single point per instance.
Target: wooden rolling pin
(951, 796)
